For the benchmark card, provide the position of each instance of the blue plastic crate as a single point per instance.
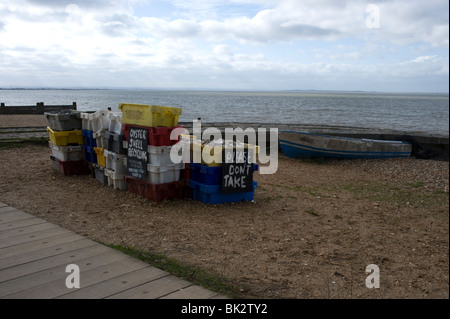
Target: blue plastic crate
(89, 154)
(89, 139)
(209, 175)
(211, 194)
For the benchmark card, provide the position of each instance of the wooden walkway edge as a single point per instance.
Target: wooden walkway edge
(34, 255)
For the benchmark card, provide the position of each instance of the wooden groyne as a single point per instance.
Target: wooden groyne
(39, 108)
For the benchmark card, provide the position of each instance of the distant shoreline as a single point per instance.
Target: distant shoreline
(219, 90)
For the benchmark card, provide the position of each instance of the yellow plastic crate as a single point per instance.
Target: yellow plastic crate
(65, 138)
(212, 156)
(149, 115)
(101, 159)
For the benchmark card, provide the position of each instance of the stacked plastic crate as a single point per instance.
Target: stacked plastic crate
(89, 141)
(65, 141)
(150, 171)
(115, 153)
(213, 181)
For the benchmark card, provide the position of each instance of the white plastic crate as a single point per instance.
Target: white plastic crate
(100, 121)
(116, 180)
(164, 174)
(100, 137)
(67, 153)
(100, 174)
(86, 122)
(115, 123)
(157, 155)
(115, 162)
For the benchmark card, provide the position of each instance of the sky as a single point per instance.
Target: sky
(349, 45)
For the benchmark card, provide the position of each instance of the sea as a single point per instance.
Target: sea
(408, 112)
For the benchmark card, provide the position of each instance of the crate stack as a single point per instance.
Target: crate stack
(89, 141)
(65, 142)
(163, 179)
(115, 152)
(94, 125)
(206, 177)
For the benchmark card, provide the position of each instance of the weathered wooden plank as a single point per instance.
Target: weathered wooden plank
(20, 239)
(56, 274)
(118, 284)
(26, 257)
(39, 108)
(88, 278)
(154, 289)
(21, 223)
(26, 230)
(5, 209)
(191, 292)
(219, 297)
(29, 247)
(34, 255)
(63, 259)
(8, 214)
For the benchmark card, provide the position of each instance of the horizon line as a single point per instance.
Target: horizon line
(216, 90)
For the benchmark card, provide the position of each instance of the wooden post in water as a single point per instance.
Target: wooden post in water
(2, 104)
(74, 105)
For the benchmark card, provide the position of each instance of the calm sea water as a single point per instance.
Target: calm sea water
(407, 112)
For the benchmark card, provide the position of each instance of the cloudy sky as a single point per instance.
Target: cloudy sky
(388, 45)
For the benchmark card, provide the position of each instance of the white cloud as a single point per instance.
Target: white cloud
(105, 42)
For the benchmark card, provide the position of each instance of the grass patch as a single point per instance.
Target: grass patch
(273, 198)
(418, 184)
(197, 276)
(312, 212)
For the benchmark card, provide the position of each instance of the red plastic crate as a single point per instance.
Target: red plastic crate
(157, 136)
(186, 172)
(70, 168)
(156, 192)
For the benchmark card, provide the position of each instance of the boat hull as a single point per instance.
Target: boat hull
(308, 145)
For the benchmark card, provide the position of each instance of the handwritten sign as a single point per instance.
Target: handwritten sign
(237, 172)
(137, 153)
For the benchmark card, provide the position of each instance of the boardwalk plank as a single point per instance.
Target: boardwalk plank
(24, 287)
(34, 255)
(50, 262)
(191, 292)
(117, 285)
(21, 223)
(49, 285)
(20, 239)
(154, 289)
(26, 230)
(29, 247)
(19, 259)
(12, 214)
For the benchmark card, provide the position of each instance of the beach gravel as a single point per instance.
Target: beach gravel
(312, 229)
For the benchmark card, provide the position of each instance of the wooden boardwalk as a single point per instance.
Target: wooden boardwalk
(34, 254)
